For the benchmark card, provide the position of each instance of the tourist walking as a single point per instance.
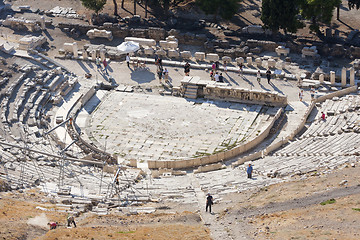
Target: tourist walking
(97, 62)
(128, 60)
(312, 93)
(249, 171)
(71, 220)
(221, 78)
(258, 76)
(213, 67)
(323, 117)
(216, 77)
(156, 59)
(105, 63)
(301, 95)
(225, 66)
(166, 75)
(217, 64)
(268, 75)
(241, 66)
(160, 73)
(209, 202)
(187, 69)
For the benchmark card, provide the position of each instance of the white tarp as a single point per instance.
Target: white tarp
(128, 47)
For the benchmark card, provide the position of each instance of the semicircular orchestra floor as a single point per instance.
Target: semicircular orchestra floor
(153, 127)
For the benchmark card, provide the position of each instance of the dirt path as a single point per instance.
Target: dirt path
(218, 229)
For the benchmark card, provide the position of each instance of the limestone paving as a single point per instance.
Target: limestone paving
(142, 127)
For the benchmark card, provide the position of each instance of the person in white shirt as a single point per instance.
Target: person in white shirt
(216, 77)
(128, 60)
(166, 75)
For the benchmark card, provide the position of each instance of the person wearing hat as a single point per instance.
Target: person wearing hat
(209, 202)
(249, 170)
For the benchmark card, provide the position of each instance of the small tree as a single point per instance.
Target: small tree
(318, 11)
(281, 14)
(225, 8)
(95, 5)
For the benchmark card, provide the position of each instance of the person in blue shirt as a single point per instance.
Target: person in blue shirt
(249, 170)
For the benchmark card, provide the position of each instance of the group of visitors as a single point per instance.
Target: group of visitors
(268, 76)
(70, 220)
(105, 64)
(161, 72)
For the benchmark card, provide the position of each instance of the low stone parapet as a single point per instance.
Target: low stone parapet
(95, 33)
(142, 41)
(227, 93)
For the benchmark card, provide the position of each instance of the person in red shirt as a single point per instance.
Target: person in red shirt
(105, 66)
(52, 225)
(323, 117)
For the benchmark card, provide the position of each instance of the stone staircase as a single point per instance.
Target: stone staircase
(191, 91)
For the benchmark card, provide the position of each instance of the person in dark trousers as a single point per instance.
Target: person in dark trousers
(268, 75)
(209, 202)
(128, 60)
(249, 171)
(71, 220)
(221, 78)
(105, 63)
(187, 68)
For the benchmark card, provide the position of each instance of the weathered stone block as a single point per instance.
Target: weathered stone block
(173, 53)
(94, 33)
(185, 54)
(142, 41)
(239, 60)
(212, 57)
(226, 58)
(271, 63)
(148, 51)
(199, 56)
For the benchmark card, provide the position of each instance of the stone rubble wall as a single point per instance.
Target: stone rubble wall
(220, 47)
